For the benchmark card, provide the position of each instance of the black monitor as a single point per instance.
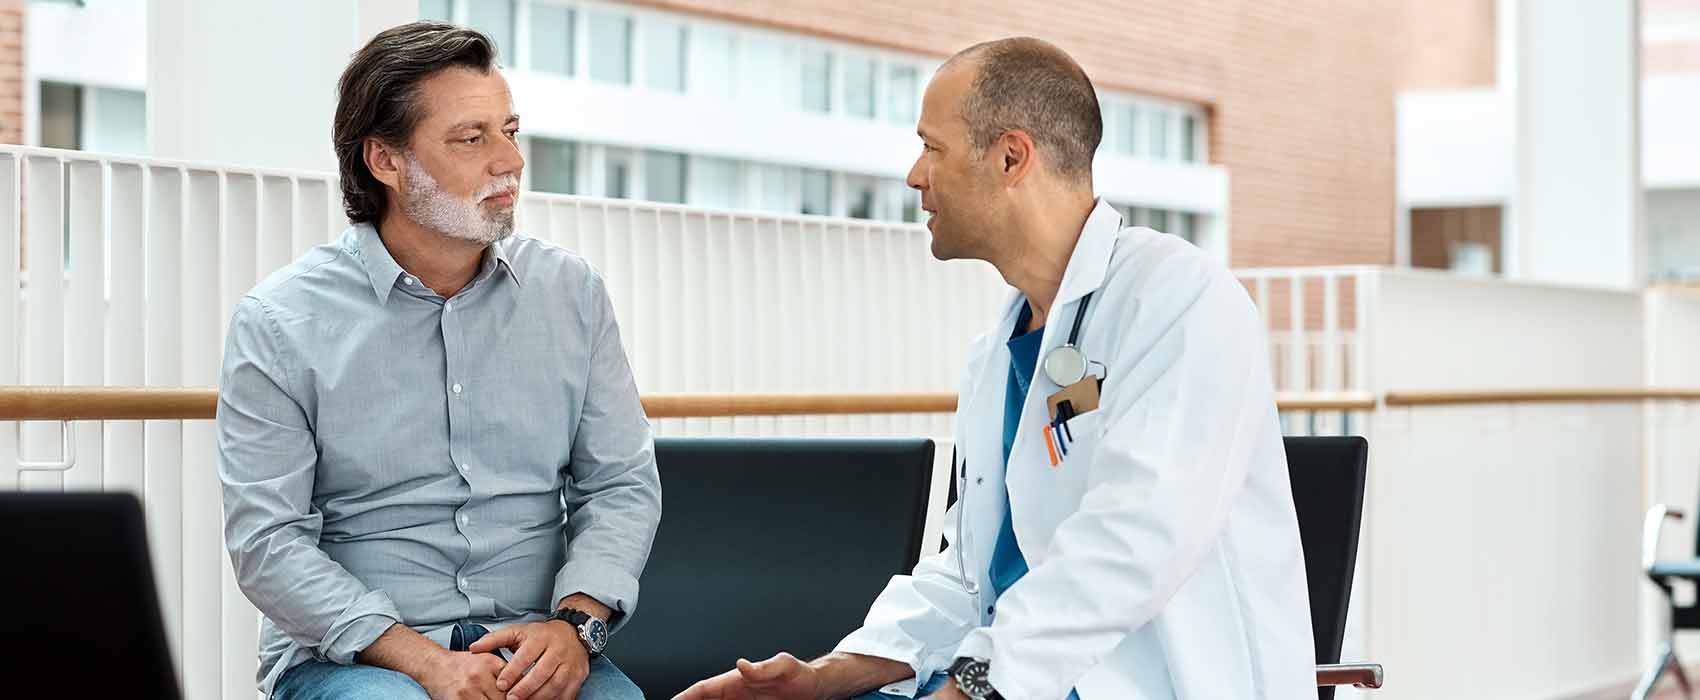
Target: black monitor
(770, 545)
(82, 615)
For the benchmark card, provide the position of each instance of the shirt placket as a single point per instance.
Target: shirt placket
(459, 393)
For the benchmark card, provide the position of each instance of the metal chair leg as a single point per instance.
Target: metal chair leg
(1667, 657)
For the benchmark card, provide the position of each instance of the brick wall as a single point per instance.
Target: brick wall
(12, 71)
(1449, 44)
(1300, 92)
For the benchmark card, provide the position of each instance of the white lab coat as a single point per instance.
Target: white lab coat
(1164, 551)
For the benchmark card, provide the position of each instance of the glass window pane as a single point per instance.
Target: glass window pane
(1160, 220)
(767, 72)
(664, 177)
(495, 18)
(713, 183)
(902, 88)
(1189, 139)
(1160, 134)
(611, 48)
(440, 10)
(1133, 143)
(119, 123)
(61, 115)
(862, 192)
(709, 71)
(554, 166)
(617, 175)
(777, 188)
(859, 87)
(664, 54)
(911, 205)
(552, 39)
(1186, 226)
(817, 192)
(817, 80)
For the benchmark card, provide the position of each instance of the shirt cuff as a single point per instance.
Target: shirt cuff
(361, 624)
(608, 584)
(1003, 676)
(866, 642)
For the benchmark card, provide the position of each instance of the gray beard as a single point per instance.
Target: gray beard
(428, 205)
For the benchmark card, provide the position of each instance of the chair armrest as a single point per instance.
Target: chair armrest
(1650, 529)
(1358, 675)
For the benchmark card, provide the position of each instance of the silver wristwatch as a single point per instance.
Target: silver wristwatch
(971, 676)
(591, 630)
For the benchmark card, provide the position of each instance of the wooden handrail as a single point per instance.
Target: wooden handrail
(1460, 398)
(200, 403)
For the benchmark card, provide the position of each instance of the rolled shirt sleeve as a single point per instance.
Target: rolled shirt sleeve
(613, 492)
(267, 460)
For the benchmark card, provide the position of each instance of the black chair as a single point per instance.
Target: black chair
(770, 545)
(1665, 574)
(1327, 475)
(82, 613)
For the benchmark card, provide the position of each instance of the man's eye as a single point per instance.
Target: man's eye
(512, 134)
(473, 140)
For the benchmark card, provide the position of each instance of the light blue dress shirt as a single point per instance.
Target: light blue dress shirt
(389, 456)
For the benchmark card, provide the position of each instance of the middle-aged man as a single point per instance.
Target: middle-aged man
(1125, 529)
(438, 478)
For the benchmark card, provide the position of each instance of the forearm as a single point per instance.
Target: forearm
(403, 650)
(843, 675)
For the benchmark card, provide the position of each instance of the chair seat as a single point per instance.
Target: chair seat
(1687, 569)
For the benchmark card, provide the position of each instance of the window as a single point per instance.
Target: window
(778, 188)
(664, 177)
(554, 166)
(617, 174)
(1189, 139)
(817, 80)
(117, 121)
(859, 87)
(767, 72)
(61, 115)
(911, 205)
(1160, 134)
(664, 55)
(713, 183)
(1159, 219)
(440, 10)
(709, 71)
(862, 195)
(817, 192)
(1186, 226)
(902, 89)
(552, 39)
(495, 18)
(611, 48)
(1132, 143)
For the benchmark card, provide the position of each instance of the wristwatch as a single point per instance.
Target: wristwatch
(970, 675)
(591, 630)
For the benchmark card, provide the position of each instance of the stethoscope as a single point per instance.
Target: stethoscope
(1065, 365)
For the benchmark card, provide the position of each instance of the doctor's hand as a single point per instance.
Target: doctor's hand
(782, 677)
(947, 692)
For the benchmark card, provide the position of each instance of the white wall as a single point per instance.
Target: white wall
(1453, 147)
(1501, 540)
(102, 42)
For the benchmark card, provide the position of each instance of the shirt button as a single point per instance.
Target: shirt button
(463, 519)
(466, 468)
(463, 583)
(407, 281)
(448, 306)
(456, 387)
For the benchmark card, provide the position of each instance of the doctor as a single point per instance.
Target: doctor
(1125, 529)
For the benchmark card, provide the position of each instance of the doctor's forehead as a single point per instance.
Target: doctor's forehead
(941, 104)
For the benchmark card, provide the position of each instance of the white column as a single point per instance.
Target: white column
(254, 83)
(1578, 197)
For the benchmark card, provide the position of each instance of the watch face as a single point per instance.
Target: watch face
(971, 679)
(598, 634)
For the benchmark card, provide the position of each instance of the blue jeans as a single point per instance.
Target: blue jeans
(323, 680)
(928, 688)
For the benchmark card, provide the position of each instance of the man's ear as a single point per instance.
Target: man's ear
(1017, 154)
(384, 161)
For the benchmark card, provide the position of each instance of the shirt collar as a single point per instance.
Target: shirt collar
(382, 270)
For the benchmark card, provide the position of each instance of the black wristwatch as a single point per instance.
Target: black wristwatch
(591, 630)
(971, 676)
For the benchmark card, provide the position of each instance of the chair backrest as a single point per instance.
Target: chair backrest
(1327, 475)
(82, 612)
(770, 545)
